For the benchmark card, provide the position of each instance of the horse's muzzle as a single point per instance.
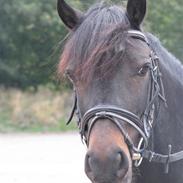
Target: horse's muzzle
(107, 167)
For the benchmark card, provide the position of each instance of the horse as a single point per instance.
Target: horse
(128, 94)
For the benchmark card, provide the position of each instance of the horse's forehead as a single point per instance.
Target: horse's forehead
(137, 49)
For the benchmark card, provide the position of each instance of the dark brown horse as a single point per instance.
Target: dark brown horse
(129, 95)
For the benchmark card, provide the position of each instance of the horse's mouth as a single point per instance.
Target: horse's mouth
(126, 179)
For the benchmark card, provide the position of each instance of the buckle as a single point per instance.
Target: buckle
(138, 156)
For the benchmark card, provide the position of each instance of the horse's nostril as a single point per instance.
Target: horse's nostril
(88, 169)
(119, 159)
(87, 164)
(123, 164)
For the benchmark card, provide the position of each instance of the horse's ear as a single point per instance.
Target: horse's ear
(136, 10)
(68, 15)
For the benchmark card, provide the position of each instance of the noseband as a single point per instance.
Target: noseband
(143, 125)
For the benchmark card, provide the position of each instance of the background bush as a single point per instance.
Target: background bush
(43, 111)
(31, 31)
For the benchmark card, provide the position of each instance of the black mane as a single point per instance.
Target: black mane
(94, 45)
(99, 35)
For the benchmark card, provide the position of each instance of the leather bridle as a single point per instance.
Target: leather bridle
(143, 125)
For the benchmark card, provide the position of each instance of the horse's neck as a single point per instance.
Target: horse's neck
(168, 127)
(173, 87)
(170, 123)
(172, 76)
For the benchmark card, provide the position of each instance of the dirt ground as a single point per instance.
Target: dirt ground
(42, 158)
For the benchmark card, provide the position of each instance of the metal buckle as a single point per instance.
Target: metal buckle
(137, 156)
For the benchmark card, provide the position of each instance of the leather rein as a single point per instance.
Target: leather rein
(144, 124)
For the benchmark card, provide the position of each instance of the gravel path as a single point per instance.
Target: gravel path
(42, 159)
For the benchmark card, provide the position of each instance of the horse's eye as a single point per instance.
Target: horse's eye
(144, 69)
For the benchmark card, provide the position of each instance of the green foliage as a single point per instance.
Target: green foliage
(164, 19)
(30, 32)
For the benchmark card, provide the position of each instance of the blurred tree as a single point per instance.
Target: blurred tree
(164, 19)
(30, 32)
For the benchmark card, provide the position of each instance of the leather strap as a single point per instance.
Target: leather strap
(161, 158)
(114, 114)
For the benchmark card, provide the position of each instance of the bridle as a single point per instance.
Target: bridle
(143, 125)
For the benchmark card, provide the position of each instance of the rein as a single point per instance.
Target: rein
(143, 125)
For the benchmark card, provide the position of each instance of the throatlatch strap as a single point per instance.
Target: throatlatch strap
(160, 158)
(164, 159)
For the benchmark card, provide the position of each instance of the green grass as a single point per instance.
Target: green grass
(7, 126)
(43, 111)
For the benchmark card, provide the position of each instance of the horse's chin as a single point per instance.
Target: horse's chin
(126, 179)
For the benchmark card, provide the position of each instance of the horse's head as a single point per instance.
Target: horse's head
(108, 61)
